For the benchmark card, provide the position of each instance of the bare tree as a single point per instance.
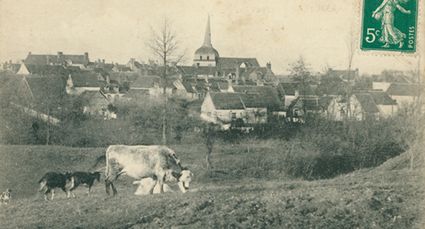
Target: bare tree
(301, 74)
(164, 46)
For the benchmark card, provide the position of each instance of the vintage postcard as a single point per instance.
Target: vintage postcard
(212, 114)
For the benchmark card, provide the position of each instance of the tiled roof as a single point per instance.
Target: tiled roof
(227, 101)
(233, 62)
(311, 103)
(86, 79)
(367, 102)
(259, 96)
(145, 82)
(382, 98)
(196, 70)
(343, 74)
(94, 98)
(399, 89)
(42, 59)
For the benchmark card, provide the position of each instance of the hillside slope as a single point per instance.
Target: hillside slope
(364, 199)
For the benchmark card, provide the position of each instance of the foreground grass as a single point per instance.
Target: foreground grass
(365, 199)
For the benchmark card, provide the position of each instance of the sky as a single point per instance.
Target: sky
(273, 31)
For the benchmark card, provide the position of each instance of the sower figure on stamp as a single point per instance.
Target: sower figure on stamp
(385, 14)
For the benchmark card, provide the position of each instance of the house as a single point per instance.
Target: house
(121, 68)
(362, 105)
(252, 104)
(386, 105)
(79, 82)
(219, 107)
(291, 90)
(305, 104)
(152, 86)
(43, 95)
(344, 75)
(96, 104)
(80, 61)
(404, 93)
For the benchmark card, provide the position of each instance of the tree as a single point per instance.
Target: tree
(301, 74)
(209, 135)
(164, 46)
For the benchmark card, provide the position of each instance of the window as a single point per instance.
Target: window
(233, 115)
(200, 57)
(208, 57)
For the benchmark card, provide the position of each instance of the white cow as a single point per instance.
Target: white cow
(159, 163)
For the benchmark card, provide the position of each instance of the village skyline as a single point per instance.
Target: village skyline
(117, 32)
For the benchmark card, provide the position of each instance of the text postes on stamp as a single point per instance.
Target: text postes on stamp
(389, 25)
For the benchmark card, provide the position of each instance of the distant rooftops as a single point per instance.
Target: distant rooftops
(58, 59)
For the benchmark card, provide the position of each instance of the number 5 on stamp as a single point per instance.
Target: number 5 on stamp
(389, 25)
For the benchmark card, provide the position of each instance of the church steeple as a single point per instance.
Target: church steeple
(206, 55)
(207, 38)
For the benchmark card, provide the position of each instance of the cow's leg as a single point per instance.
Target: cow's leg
(111, 174)
(107, 187)
(53, 193)
(45, 194)
(114, 190)
(160, 181)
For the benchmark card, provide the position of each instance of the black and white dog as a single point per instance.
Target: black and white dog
(86, 178)
(6, 196)
(52, 180)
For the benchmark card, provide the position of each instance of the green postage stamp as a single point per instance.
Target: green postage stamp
(389, 25)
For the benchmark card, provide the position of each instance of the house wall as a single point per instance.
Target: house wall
(356, 111)
(334, 110)
(403, 100)
(387, 110)
(208, 110)
(289, 99)
(210, 114)
(380, 86)
(227, 115)
(256, 115)
(80, 90)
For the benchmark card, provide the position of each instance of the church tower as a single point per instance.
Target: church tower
(206, 55)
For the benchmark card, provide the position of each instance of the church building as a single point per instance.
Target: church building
(207, 63)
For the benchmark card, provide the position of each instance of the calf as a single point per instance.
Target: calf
(85, 178)
(6, 196)
(52, 180)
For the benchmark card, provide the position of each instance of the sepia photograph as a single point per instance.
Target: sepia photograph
(212, 114)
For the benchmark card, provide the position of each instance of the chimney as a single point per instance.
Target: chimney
(237, 74)
(86, 56)
(29, 53)
(269, 66)
(103, 61)
(60, 57)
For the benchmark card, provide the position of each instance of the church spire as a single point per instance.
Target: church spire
(207, 39)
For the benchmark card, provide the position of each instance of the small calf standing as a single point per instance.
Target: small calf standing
(52, 180)
(85, 178)
(6, 196)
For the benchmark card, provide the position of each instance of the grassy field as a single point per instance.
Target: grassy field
(247, 189)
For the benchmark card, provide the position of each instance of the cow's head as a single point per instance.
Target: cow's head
(184, 179)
